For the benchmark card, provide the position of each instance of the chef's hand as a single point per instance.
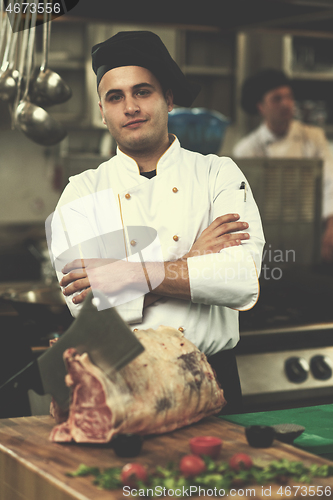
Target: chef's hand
(327, 242)
(106, 275)
(221, 233)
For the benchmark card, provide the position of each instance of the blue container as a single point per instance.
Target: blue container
(198, 129)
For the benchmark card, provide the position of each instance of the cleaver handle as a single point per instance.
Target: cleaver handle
(27, 378)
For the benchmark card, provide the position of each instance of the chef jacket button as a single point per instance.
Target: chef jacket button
(127, 196)
(181, 329)
(135, 330)
(133, 243)
(176, 238)
(175, 190)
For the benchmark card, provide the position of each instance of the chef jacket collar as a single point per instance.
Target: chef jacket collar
(165, 161)
(267, 136)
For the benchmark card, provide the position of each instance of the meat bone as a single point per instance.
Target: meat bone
(101, 333)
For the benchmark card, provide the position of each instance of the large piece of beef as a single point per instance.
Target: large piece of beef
(168, 386)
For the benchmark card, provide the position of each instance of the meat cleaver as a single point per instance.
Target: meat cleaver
(101, 333)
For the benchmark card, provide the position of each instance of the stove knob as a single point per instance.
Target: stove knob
(297, 369)
(321, 367)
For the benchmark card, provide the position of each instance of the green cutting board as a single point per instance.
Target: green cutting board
(317, 420)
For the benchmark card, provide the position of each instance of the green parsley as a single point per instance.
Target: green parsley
(217, 474)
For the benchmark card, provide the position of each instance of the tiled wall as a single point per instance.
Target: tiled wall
(27, 176)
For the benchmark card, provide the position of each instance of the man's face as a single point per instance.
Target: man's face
(277, 107)
(134, 108)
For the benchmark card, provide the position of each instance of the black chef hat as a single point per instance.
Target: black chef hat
(144, 48)
(256, 86)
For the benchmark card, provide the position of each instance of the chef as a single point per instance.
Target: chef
(269, 93)
(195, 256)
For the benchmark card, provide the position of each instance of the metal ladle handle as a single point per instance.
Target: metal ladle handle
(14, 39)
(31, 44)
(46, 37)
(10, 23)
(22, 57)
(2, 29)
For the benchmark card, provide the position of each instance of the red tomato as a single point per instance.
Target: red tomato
(131, 473)
(206, 445)
(191, 465)
(240, 461)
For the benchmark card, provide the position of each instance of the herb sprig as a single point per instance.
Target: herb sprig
(217, 474)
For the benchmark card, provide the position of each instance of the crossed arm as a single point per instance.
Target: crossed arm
(112, 277)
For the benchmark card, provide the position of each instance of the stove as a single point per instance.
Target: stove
(285, 355)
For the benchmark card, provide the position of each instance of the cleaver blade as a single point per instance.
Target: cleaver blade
(102, 334)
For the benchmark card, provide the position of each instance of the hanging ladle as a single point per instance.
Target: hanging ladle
(8, 79)
(8, 75)
(48, 88)
(3, 28)
(5, 34)
(31, 119)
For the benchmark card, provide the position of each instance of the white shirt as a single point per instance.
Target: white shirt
(189, 191)
(301, 141)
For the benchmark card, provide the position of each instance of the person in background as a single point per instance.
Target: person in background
(269, 93)
(195, 203)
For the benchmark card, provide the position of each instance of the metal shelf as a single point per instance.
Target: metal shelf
(207, 70)
(311, 75)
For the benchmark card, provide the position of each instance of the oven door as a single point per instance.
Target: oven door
(274, 379)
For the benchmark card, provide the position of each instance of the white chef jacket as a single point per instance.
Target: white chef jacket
(301, 141)
(188, 192)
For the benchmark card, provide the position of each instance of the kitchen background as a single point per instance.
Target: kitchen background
(219, 57)
(32, 176)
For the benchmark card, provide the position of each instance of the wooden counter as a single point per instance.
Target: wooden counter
(33, 468)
